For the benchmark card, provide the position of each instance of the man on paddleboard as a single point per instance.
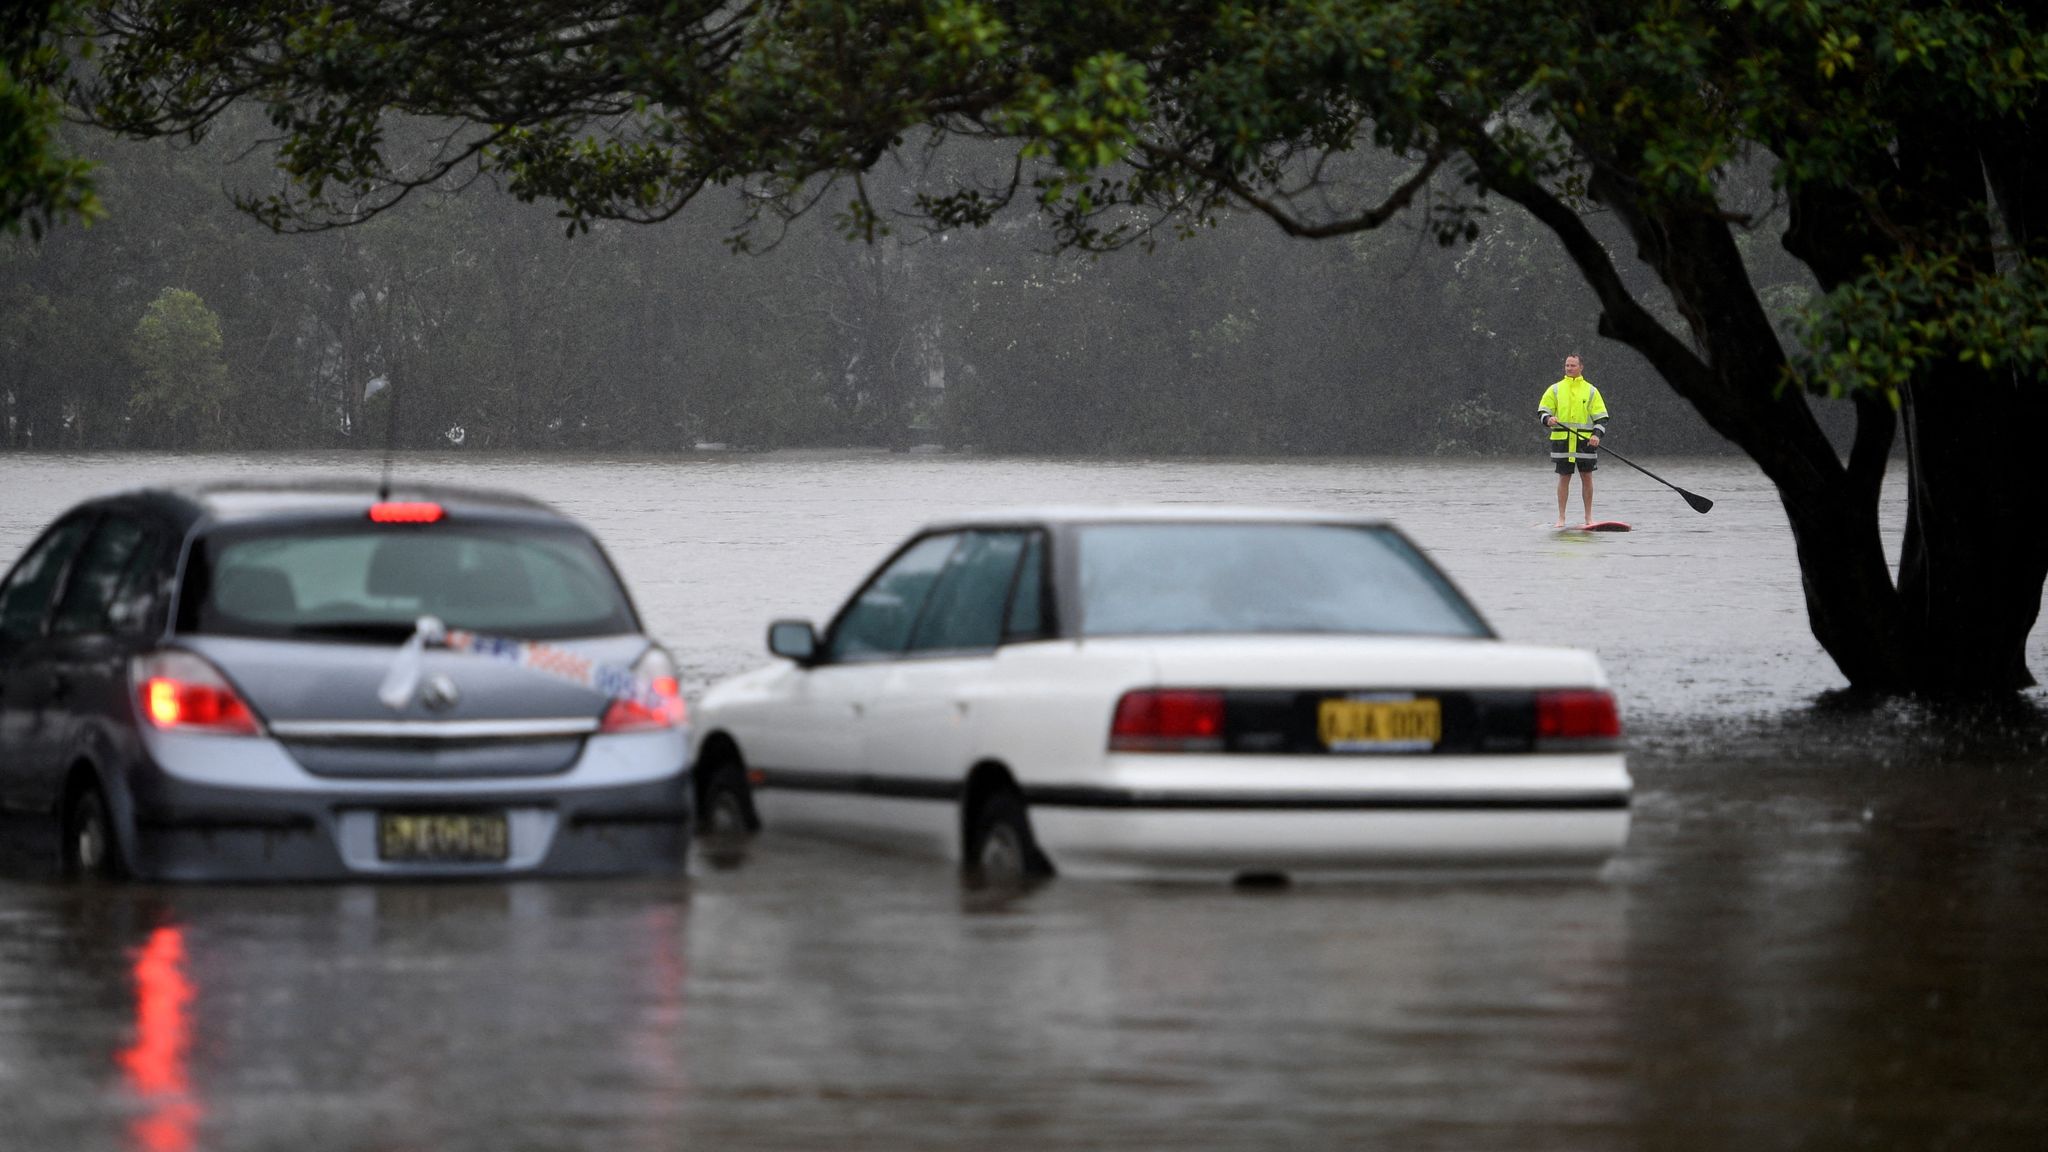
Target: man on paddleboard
(1577, 417)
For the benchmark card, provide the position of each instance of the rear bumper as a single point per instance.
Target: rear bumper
(1175, 816)
(201, 833)
(624, 809)
(1221, 844)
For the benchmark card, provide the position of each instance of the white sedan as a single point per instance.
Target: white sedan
(1169, 692)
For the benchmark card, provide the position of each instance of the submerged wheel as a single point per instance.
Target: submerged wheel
(725, 805)
(89, 836)
(1000, 850)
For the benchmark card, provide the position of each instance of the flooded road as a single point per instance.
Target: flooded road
(1828, 930)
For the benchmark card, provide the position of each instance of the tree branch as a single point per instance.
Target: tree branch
(1621, 315)
(1288, 221)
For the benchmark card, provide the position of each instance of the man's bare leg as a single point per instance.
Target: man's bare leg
(1564, 496)
(1586, 491)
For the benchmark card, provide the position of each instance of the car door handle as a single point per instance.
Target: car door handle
(860, 709)
(60, 688)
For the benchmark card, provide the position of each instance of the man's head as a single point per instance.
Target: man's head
(1571, 366)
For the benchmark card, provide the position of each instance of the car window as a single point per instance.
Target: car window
(966, 606)
(1163, 579)
(134, 609)
(25, 599)
(879, 620)
(96, 574)
(1027, 602)
(359, 583)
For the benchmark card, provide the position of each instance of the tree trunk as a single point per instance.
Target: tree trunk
(1976, 547)
(1850, 602)
(1852, 606)
(1976, 550)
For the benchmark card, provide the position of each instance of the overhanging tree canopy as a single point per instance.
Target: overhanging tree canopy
(39, 181)
(1905, 141)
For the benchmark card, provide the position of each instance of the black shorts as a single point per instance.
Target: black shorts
(1586, 464)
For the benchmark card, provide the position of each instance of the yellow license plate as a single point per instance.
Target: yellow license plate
(469, 837)
(1380, 723)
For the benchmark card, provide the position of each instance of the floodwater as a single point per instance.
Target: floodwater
(1829, 930)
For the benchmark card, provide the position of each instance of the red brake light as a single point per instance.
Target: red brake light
(666, 710)
(405, 512)
(1578, 716)
(180, 691)
(1176, 720)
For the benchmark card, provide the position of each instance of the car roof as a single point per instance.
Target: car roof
(251, 501)
(1062, 515)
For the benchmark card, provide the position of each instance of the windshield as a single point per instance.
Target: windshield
(373, 583)
(1166, 579)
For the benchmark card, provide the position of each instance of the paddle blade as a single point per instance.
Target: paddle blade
(1700, 504)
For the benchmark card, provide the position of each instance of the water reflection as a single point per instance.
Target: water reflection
(840, 987)
(1845, 942)
(156, 1063)
(654, 1042)
(442, 1016)
(1825, 934)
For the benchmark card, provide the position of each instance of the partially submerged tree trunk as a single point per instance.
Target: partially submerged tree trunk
(1975, 553)
(1976, 548)
(1975, 556)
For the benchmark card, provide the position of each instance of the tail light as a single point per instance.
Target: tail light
(1173, 720)
(178, 691)
(1581, 718)
(664, 711)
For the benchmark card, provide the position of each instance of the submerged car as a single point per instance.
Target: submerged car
(275, 681)
(1157, 693)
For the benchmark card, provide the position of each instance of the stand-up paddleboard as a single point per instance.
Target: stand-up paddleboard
(1597, 526)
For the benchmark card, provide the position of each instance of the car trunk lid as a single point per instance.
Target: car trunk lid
(472, 715)
(1296, 694)
(1362, 662)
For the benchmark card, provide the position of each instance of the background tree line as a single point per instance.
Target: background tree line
(178, 322)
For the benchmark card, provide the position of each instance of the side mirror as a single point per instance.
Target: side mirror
(794, 640)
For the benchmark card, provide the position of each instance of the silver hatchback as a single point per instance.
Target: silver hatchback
(308, 681)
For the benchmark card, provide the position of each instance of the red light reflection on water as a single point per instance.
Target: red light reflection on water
(155, 1063)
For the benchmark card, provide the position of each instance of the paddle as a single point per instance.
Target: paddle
(1699, 503)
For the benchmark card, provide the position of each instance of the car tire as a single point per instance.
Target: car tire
(1000, 849)
(725, 805)
(728, 808)
(90, 852)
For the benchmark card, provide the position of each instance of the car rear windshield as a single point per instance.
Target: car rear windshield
(1164, 579)
(362, 582)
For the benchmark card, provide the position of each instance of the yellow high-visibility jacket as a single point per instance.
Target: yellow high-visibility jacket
(1580, 412)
